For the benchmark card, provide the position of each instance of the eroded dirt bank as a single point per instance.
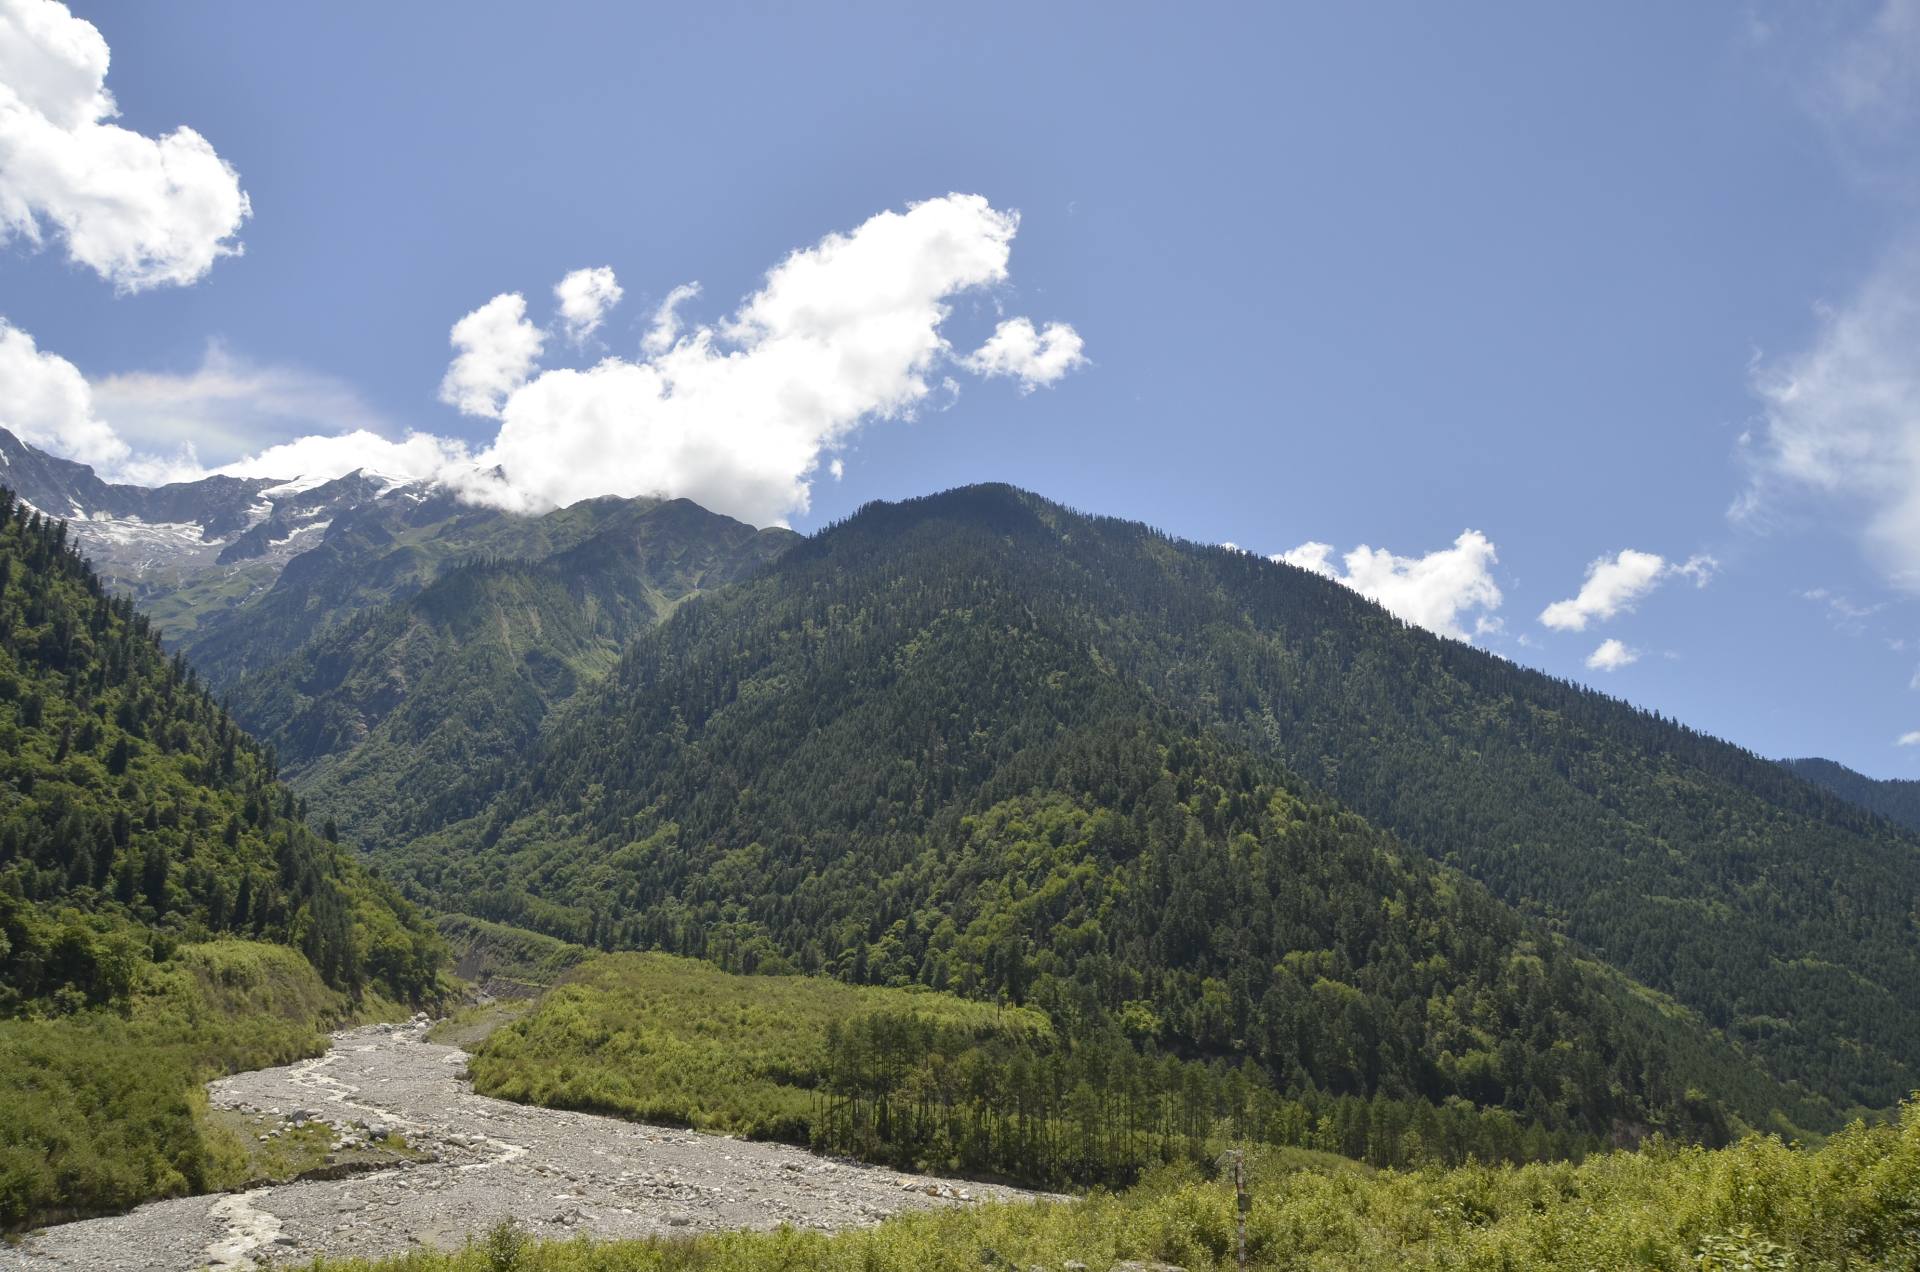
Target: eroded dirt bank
(557, 1174)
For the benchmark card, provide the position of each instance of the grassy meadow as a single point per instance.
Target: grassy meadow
(104, 1108)
(657, 1038)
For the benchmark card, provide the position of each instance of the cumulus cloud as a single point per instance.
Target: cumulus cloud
(741, 415)
(495, 351)
(1612, 656)
(1436, 591)
(1908, 739)
(1614, 584)
(139, 211)
(1034, 358)
(585, 296)
(666, 321)
(46, 402)
(1840, 420)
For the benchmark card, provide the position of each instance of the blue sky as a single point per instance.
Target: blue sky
(1581, 280)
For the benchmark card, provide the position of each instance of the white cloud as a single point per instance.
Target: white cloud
(585, 296)
(1616, 584)
(740, 416)
(1311, 555)
(1612, 656)
(496, 349)
(1434, 591)
(1845, 612)
(421, 457)
(1909, 739)
(1841, 420)
(46, 402)
(1611, 586)
(666, 321)
(1034, 358)
(1699, 567)
(139, 211)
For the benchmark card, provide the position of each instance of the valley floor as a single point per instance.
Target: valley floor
(554, 1173)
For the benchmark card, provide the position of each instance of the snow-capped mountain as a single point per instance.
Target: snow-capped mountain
(220, 539)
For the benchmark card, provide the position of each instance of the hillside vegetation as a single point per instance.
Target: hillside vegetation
(165, 912)
(1896, 799)
(103, 1109)
(980, 743)
(1759, 1206)
(926, 1081)
(926, 748)
(663, 1039)
(407, 715)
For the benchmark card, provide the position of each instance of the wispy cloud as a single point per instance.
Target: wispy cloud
(1840, 420)
(228, 406)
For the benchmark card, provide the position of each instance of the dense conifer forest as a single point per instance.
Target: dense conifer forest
(927, 747)
(985, 742)
(1896, 799)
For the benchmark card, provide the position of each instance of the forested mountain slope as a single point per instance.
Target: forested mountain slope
(937, 743)
(165, 913)
(135, 814)
(406, 716)
(1896, 799)
(806, 762)
(366, 557)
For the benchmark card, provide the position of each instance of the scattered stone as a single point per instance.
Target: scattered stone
(620, 1180)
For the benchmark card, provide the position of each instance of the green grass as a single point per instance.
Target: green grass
(1761, 1204)
(103, 1109)
(504, 958)
(664, 1039)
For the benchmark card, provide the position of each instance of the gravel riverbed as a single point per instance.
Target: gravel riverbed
(556, 1174)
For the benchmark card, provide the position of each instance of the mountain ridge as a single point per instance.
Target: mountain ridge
(1896, 799)
(459, 675)
(829, 727)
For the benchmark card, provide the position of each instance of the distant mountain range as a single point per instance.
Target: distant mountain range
(984, 742)
(1896, 799)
